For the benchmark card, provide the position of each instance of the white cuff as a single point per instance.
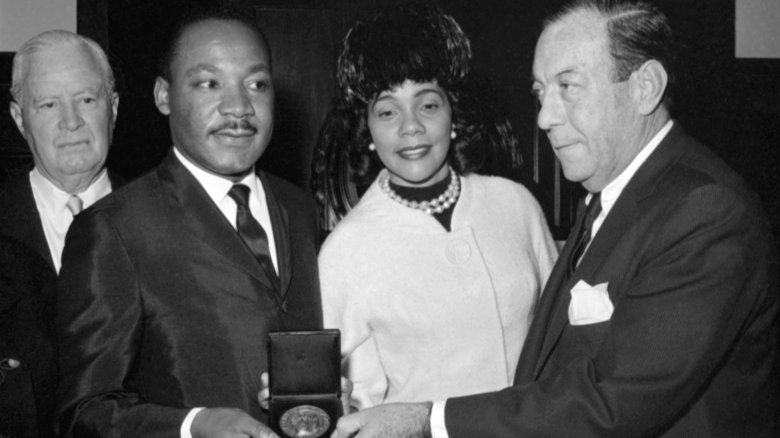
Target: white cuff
(187, 423)
(438, 428)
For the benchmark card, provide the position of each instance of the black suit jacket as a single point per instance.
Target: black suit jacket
(26, 336)
(19, 216)
(691, 349)
(162, 308)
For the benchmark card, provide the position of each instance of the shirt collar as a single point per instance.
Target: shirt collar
(217, 187)
(54, 198)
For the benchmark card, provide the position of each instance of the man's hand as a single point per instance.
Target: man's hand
(264, 395)
(228, 423)
(346, 394)
(395, 420)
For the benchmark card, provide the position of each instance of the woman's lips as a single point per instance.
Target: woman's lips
(414, 152)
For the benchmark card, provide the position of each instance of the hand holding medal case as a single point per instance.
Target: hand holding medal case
(304, 373)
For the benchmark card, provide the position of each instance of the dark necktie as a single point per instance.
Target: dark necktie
(583, 237)
(252, 233)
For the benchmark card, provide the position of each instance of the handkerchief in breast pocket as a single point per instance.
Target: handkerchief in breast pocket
(589, 304)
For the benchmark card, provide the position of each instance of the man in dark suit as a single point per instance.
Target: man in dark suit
(64, 104)
(28, 370)
(170, 286)
(661, 316)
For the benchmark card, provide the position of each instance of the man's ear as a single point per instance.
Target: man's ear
(114, 106)
(161, 95)
(651, 80)
(16, 114)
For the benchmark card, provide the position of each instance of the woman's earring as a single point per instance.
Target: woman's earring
(371, 147)
(453, 134)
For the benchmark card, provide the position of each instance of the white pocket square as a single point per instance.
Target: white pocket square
(589, 304)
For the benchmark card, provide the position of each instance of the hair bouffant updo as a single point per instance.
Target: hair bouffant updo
(413, 42)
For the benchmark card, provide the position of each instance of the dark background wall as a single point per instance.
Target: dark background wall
(731, 104)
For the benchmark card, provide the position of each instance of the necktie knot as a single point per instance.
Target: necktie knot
(583, 236)
(240, 194)
(252, 233)
(74, 204)
(593, 211)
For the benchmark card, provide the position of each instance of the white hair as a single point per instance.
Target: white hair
(57, 38)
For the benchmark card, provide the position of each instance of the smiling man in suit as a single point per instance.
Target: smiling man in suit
(170, 286)
(65, 106)
(660, 318)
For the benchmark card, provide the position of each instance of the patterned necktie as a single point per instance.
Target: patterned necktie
(583, 237)
(252, 233)
(74, 204)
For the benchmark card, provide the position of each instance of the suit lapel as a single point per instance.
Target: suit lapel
(546, 330)
(32, 230)
(201, 218)
(553, 312)
(280, 224)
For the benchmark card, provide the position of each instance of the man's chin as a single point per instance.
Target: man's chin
(234, 170)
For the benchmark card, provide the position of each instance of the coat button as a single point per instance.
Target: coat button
(458, 251)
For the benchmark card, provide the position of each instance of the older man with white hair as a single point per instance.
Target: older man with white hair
(65, 106)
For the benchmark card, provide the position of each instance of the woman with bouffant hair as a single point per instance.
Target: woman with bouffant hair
(432, 276)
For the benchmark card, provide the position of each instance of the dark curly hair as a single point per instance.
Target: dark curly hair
(409, 42)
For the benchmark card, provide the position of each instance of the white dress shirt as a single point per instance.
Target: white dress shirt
(609, 196)
(51, 203)
(217, 188)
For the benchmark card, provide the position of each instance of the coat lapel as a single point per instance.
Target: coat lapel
(201, 218)
(280, 224)
(553, 313)
(545, 330)
(28, 220)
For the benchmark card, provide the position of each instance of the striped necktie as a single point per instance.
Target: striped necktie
(583, 237)
(252, 233)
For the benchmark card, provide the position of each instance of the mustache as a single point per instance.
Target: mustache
(235, 125)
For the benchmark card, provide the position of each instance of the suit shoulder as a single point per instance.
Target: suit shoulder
(129, 202)
(286, 191)
(504, 191)
(700, 167)
(498, 184)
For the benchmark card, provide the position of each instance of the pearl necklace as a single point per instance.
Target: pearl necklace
(435, 205)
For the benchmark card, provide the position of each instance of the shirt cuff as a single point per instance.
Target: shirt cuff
(438, 429)
(187, 423)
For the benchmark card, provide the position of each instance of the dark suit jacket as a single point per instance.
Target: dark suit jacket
(162, 308)
(691, 348)
(26, 336)
(19, 217)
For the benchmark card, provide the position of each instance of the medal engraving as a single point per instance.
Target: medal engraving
(304, 421)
